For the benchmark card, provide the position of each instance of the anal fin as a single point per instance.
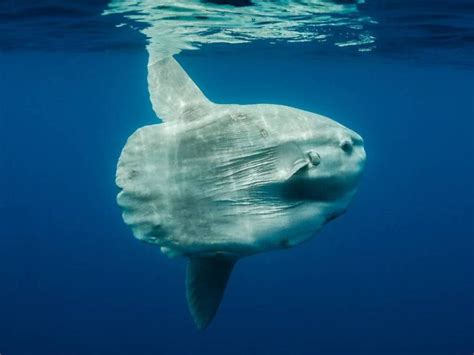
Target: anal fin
(206, 280)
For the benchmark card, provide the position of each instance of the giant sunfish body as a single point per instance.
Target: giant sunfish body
(215, 183)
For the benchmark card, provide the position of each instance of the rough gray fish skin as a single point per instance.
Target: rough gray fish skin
(215, 183)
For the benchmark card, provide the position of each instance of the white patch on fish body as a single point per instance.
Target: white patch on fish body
(219, 182)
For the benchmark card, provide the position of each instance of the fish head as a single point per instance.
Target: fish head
(335, 157)
(323, 161)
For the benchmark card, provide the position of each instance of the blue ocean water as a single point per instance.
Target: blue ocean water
(394, 275)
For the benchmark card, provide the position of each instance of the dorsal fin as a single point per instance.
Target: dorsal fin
(206, 280)
(173, 94)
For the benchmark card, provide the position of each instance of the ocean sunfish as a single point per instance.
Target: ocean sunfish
(214, 183)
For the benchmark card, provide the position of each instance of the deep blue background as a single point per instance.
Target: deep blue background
(393, 275)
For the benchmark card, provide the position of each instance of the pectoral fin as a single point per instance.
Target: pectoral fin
(290, 160)
(206, 280)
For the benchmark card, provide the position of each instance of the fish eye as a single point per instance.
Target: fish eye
(346, 146)
(314, 157)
